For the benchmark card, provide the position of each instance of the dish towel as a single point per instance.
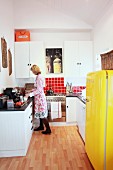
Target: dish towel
(56, 110)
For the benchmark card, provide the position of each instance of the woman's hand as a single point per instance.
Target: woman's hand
(31, 94)
(26, 95)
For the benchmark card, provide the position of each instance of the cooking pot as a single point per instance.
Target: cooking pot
(49, 92)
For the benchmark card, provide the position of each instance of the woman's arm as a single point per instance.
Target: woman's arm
(39, 85)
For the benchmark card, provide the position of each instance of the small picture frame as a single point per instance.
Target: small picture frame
(53, 60)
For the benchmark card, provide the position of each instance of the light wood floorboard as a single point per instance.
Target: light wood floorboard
(62, 150)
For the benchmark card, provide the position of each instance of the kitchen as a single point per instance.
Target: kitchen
(54, 31)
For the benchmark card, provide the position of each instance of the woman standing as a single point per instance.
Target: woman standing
(40, 101)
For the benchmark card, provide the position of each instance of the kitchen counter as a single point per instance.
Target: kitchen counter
(23, 108)
(82, 99)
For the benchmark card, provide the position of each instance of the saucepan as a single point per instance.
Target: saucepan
(49, 92)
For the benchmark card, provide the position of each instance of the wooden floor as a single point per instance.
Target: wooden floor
(62, 150)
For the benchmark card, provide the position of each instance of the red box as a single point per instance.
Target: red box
(22, 35)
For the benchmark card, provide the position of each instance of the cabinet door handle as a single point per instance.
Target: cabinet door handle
(28, 64)
(31, 121)
(30, 115)
(30, 106)
(32, 128)
(67, 106)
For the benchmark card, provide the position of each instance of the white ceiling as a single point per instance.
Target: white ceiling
(89, 11)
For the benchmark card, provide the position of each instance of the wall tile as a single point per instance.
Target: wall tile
(57, 85)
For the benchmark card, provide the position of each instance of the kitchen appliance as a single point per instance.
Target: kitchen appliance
(10, 103)
(8, 92)
(59, 99)
(99, 119)
(49, 92)
(15, 95)
(3, 101)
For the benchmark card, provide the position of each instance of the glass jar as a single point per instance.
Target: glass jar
(57, 65)
(48, 64)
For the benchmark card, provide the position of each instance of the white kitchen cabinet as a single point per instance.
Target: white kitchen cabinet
(70, 57)
(81, 117)
(27, 54)
(22, 60)
(71, 109)
(15, 132)
(78, 58)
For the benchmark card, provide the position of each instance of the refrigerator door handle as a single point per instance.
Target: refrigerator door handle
(87, 100)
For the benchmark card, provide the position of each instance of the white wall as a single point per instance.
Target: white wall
(103, 37)
(7, 31)
(48, 24)
(34, 14)
(57, 38)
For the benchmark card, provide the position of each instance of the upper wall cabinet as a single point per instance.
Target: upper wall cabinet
(78, 58)
(27, 54)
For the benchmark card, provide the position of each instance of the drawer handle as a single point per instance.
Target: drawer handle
(32, 128)
(30, 115)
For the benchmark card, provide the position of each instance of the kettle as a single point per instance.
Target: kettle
(49, 92)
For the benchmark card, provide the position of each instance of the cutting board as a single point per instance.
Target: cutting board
(10, 62)
(4, 52)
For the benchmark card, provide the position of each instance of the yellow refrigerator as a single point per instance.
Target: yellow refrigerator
(99, 119)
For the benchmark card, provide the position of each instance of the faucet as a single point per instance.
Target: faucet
(71, 91)
(69, 88)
